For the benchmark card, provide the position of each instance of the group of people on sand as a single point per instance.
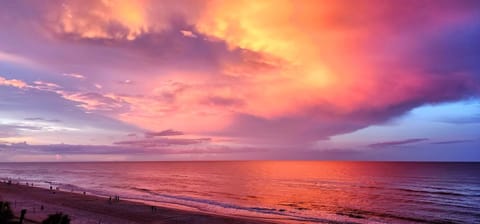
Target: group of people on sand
(9, 182)
(115, 198)
(54, 190)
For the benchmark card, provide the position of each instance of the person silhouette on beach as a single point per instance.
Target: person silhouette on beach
(154, 208)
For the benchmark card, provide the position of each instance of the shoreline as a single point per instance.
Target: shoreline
(95, 209)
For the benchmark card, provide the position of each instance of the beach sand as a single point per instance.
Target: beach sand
(92, 209)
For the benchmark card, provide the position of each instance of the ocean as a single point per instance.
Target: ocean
(283, 191)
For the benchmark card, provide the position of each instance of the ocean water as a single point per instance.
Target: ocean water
(283, 191)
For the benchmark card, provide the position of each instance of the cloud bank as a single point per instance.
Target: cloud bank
(269, 73)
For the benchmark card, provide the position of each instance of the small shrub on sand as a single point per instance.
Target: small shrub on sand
(57, 218)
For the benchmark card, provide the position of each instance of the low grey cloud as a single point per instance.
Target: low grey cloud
(42, 119)
(69, 149)
(162, 142)
(19, 127)
(11, 130)
(474, 119)
(453, 142)
(168, 132)
(396, 143)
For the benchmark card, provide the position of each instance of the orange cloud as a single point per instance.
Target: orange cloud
(119, 19)
(334, 53)
(310, 51)
(89, 19)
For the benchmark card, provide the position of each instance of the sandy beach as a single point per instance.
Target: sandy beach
(92, 209)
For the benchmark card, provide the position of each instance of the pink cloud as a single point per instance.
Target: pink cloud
(74, 75)
(92, 101)
(12, 82)
(188, 33)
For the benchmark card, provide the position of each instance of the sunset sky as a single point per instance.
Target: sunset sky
(216, 80)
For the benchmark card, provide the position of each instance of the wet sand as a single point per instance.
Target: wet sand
(92, 209)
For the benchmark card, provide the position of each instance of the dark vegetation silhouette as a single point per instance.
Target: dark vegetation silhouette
(57, 218)
(6, 213)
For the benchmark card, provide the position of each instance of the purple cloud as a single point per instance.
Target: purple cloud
(223, 101)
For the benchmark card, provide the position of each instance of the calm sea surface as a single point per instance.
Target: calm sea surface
(288, 191)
